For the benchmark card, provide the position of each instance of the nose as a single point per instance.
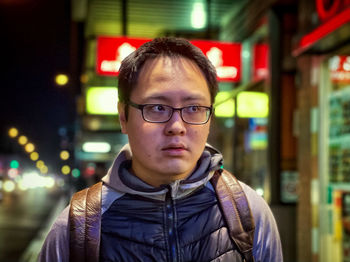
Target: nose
(175, 126)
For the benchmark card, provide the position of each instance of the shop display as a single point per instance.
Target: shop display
(339, 133)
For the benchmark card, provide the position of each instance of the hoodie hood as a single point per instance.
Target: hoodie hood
(120, 179)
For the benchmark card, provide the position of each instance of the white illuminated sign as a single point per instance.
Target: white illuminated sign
(96, 147)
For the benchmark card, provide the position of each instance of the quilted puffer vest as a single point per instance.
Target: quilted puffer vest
(203, 226)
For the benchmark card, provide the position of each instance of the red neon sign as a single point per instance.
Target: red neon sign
(226, 57)
(112, 50)
(260, 62)
(323, 30)
(327, 9)
(339, 67)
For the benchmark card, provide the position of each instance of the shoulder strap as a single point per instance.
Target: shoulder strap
(85, 224)
(237, 214)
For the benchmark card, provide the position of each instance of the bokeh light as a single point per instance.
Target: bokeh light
(64, 155)
(13, 132)
(29, 147)
(34, 180)
(40, 164)
(61, 79)
(49, 182)
(96, 147)
(9, 186)
(198, 16)
(12, 173)
(65, 170)
(34, 156)
(84, 78)
(22, 140)
(76, 172)
(44, 170)
(260, 191)
(101, 100)
(14, 164)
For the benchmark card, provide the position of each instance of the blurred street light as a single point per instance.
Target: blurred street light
(22, 140)
(65, 170)
(14, 164)
(9, 186)
(29, 148)
(34, 156)
(13, 132)
(34, 180)
(44, 170)
(90, 169)
(76, 172)
(61, 79)
(12, 173)
(198, 16)
(84, 78)
(64, 155)
(40, 164)
(260, 191)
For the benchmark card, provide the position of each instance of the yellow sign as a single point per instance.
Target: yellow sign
(102, 100)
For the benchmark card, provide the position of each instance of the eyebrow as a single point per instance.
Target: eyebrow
(163, 98)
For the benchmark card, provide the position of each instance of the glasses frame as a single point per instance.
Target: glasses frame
(141, 107)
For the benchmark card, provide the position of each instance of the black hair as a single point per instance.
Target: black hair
(168, 47)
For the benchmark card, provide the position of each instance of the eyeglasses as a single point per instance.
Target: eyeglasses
(158, 113)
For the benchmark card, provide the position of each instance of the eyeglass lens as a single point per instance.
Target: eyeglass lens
(162, 113)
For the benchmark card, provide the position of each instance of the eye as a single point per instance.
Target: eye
(193, 109)
(158, 108)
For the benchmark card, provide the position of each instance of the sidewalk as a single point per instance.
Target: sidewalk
(32, 251)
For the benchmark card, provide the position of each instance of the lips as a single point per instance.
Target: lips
(174, 146)
(175, 150)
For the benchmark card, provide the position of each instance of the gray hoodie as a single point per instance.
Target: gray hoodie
(118, 181)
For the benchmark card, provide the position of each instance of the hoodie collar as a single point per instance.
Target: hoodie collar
(120, 179)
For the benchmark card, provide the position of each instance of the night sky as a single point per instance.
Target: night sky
(35, 45)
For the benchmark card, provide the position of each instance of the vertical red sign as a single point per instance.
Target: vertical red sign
(260, 61)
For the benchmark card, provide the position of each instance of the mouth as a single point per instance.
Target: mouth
(175, 148)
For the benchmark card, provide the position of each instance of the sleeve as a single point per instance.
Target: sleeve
(56, 245)
(267, 244)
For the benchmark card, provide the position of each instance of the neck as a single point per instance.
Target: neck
(157, 179)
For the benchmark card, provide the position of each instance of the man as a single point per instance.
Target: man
(158, 202)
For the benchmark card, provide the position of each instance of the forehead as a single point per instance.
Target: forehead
(171, 76)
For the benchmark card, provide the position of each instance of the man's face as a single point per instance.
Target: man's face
(164, 152)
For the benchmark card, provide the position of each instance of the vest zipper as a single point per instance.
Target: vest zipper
(171, 226)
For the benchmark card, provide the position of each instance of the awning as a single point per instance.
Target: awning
(330, 34)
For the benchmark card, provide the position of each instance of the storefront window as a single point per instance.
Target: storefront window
(239, 130)
(335, 172)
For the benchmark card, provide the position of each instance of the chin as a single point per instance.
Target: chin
(176, 169)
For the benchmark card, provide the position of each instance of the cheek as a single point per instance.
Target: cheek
(200, 136)
(142, 135)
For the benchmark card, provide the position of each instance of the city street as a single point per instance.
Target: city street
(22, 215)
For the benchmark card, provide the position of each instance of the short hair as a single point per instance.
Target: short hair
(168, 47)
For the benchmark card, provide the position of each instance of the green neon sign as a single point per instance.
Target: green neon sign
(225, 105)
(249, 104)
(102, 100)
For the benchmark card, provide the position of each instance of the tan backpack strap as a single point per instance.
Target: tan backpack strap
(236, 210)
(85, 224)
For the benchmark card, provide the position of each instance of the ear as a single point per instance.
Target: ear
(122, 117)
